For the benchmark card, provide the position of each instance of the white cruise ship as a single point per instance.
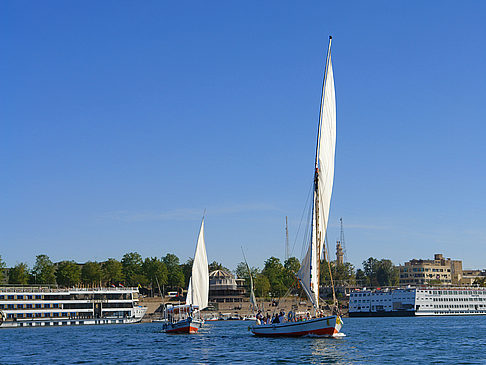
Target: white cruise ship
(41, 306)
(423, 301)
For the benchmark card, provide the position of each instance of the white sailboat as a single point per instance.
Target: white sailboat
(187, 318)
(308, 274)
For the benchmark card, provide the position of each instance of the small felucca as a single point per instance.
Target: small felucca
(308, 274)
(187, 318)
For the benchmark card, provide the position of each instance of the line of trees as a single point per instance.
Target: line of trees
(274, 280)
(131, 270)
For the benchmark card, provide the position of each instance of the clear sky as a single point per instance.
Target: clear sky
(121, 121)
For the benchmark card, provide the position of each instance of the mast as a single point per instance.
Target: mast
(287, 253)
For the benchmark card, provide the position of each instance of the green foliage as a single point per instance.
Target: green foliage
(274, 271)
(380, 273)
(171, 261)
(112, 271)
(187, 271)
(217, 266)
(241, 272)
(43, 271)
(291, 267)
(361, 278)
(2, 268)
(132, 268)
(68, 273)
(262, 286)
(342, 274)
(19, 274)
(91, 273)
(175, 277)
(155, 271)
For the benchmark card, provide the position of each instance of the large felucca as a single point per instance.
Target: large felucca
(187, 318)
(308, 274)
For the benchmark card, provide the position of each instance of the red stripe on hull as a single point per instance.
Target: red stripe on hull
(188, 329)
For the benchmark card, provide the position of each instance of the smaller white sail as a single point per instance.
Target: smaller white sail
(198, 290)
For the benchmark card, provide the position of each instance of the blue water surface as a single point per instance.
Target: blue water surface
(430, 340)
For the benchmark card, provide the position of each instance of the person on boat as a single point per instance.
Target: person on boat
(276, 319)
(269, 319)
(259, 317)
(281, 317)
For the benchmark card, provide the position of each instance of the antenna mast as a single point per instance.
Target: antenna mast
(287, 253)
(341, 239)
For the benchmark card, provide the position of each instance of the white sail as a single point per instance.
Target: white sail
(326, 148)
(326, 144)
(198, 290)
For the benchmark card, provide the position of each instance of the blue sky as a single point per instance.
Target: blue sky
(120, 122)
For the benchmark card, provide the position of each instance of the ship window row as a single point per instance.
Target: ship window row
(460, 299)
(29, 306)
(459, 306)
(96, 296)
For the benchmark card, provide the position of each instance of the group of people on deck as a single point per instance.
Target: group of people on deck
(279, 317)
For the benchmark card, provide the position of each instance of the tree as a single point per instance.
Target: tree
(241, 272)
(361, 277)
(44, 271)
(68, 273)
(91, 273)
(2, 268)
(187, 271)
(387, 274)
(132, 268)
(213, 266)
(370, 267)
(112, 271)
(262, 286)
(274, 271)
(19, 274)
(155, 271)
(291, 267)
(175, 276)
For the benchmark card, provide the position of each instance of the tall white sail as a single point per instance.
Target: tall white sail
(326, 144)
(326, 148)
(198, 290)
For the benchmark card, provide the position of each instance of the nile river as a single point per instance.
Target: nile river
(431, 340)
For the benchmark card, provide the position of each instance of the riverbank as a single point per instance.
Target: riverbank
(239, 309)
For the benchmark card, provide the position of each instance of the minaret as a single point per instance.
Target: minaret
(339, 253)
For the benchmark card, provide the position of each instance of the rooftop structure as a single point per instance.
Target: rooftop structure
(437, 271)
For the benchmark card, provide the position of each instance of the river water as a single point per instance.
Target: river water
(430, 340)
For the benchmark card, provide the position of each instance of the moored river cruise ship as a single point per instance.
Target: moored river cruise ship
(42, 306)
(423, 301)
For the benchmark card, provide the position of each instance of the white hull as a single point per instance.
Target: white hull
(188, 325)
(326, 326)
(68, 322)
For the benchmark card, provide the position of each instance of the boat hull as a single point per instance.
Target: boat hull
(325, 326)
(184, 326)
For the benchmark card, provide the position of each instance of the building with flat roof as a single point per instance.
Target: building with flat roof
(437, 271)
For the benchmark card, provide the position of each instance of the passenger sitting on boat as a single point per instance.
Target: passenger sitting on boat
(276, 319)
(269, 319)
(259, 317)
(281, 317)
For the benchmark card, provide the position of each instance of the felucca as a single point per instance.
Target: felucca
(187, 318)
(308, 274)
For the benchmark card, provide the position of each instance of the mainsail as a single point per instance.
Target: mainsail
(198, 290)
(324, 175)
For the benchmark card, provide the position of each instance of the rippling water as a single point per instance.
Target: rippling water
(445, 340)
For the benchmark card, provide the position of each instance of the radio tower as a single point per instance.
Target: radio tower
(341, 240)
(287, 253)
